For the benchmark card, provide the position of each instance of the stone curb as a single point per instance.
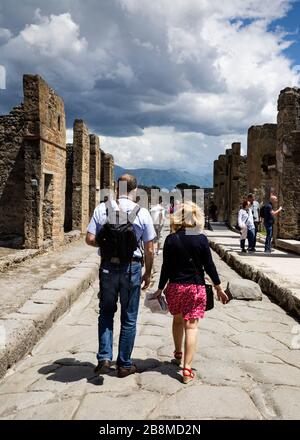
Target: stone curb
(286, 298)
(13, 260)
(21, 330)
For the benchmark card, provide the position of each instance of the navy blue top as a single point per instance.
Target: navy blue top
(269, 218)
(177, 268)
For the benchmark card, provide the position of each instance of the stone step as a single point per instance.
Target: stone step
(21, 330)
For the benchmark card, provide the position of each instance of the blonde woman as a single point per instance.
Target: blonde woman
(186, 255)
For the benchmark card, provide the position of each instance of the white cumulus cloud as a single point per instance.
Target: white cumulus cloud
(168, 82)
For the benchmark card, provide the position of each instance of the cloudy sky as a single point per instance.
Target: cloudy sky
(165, 83)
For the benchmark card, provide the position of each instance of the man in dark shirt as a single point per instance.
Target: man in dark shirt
(269, 218)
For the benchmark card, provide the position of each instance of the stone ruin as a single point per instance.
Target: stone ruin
(288, 162)
(88, 171)
(272, 164)
(230, 183)
(47, 187)
(261, 160)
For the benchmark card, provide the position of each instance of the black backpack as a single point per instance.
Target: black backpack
(117, 238)
(262, 212)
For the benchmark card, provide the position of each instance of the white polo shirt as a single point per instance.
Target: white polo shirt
(143, 224)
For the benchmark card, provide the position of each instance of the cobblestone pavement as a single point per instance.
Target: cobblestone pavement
(19, 283)
(246, 367)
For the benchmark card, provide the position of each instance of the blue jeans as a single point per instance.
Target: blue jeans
(251, 238)
(269, 231)
(114, 282)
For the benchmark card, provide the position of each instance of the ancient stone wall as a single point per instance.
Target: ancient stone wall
(12, 169)
(220, 198)
(261, 158)
(95, 173)
(69, 189)
(288, 163)
(45, 158)
(81, 176)
(107, 171)
(236, 182)
(230, 183)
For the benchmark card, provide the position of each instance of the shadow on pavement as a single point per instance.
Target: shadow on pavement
(68, 370)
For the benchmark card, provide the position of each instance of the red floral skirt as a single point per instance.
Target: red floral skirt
(186, 299)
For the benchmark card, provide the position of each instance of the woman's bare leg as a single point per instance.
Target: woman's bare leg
(191, 331)
(177, 332)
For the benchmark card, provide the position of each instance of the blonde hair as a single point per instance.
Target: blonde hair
(187, 215)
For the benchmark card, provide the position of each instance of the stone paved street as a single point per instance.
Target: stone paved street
(246, 368)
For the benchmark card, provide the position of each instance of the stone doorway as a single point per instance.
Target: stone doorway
(48, 207)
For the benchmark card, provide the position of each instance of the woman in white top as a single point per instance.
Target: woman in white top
(247, 228)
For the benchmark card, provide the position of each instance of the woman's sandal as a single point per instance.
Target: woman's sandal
(177, 357)
(186, 378)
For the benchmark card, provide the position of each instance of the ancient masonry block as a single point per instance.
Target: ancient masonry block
(88, 170)
(107, 171)
(261, 159)
(47, 187)
(81, 176)
(32, 166)
(69, 189)
(95, 173)
(288, 162)
(230, 183)
(236, 181)
(45, 155)
(219, 186)
(44, 138)
(12, 169)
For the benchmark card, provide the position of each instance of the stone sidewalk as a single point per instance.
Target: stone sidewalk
(277, 273)
(246, 367)
(19, 283)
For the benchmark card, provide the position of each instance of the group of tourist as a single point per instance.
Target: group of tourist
(250, 216)
(125, 247)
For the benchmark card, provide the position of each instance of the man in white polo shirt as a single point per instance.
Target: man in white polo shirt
(121, 279)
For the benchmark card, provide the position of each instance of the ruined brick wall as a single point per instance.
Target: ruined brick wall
(261, 157)
(12, 180)
(95, 173)
(216, 182)
(81, 176)
(107, 171)
(69, 189)
(220, 180)
(288, 162)
(45, 158)
(236, 181)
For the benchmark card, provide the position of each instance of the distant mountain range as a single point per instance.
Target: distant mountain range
(166, 178)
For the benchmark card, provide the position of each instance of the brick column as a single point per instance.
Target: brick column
(95, 173)
(288, 163)
(81, 176)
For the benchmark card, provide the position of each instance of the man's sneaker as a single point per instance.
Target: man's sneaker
(103, 367)
(244, 251)
(124, 372)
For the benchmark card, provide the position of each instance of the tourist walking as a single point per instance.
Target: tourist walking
(186, 255)
(255, 208)
(118, 228)
(246, 225)
(158, 217)
(268, 214)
